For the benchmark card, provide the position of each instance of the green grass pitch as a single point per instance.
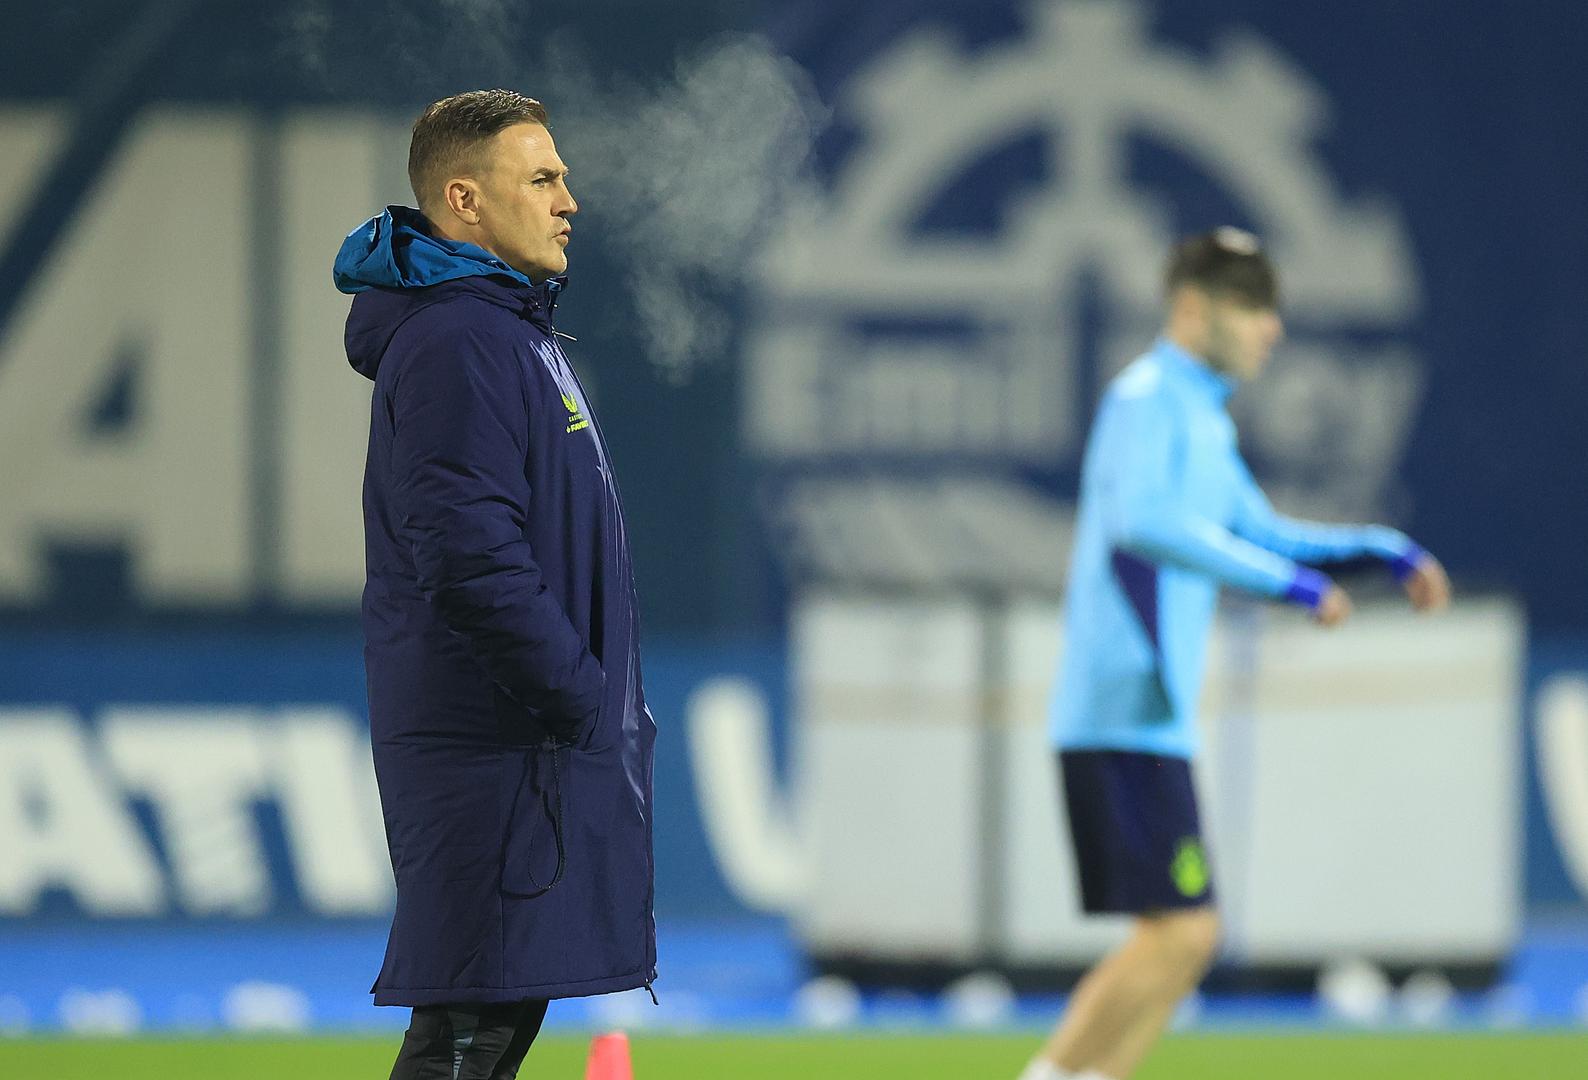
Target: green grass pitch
(829, 1057)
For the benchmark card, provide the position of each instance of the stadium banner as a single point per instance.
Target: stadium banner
(225, 775)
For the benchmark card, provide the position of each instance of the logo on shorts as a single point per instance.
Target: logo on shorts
(1189, 871)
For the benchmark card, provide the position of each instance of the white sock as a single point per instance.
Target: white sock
(1043, 1069)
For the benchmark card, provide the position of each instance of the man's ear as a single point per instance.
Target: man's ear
(462, 196)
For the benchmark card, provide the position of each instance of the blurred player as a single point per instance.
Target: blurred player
(1169, 514)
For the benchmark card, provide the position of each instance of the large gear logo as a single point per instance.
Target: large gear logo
(926, 354)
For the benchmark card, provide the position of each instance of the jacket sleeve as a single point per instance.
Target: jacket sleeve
(461, 438)
(1144, 490)
(1314, 542)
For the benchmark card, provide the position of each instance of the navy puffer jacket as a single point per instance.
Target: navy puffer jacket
(513, 746)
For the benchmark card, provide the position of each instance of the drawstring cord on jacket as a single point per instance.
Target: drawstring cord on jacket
(556, 831)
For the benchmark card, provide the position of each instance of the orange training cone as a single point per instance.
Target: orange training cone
(609, 1058)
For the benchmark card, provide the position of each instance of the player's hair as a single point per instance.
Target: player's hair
(1225, 262)
(449, 134)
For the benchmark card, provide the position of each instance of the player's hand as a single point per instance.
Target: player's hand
(1333, 609)
(1428, 586)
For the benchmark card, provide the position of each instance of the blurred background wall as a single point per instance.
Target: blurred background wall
(847, 281)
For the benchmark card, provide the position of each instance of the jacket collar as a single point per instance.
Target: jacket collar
(1194, 371)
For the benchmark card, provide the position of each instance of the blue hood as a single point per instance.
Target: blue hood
(395, 250)
(397, 268)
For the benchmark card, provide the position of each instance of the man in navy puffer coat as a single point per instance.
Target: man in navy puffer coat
(512, 742)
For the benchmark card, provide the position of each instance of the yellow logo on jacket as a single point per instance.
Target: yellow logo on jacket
(576, 418)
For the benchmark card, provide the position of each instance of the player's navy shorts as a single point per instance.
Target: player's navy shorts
(1135, 830)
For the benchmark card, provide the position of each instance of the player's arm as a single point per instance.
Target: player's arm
(1145, 491)
(458, 449)
(1318, 544)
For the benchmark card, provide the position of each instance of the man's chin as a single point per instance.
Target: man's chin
(545, 270)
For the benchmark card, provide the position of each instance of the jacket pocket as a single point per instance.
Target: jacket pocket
(522, 726)
(593, 734)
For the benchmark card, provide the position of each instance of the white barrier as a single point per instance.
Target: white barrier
(1361, 788)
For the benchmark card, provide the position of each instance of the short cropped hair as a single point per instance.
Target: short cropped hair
(1225, 262)
(449, 134)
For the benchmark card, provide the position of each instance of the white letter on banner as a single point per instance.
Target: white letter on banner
(203, 768)
(750, 826)
(325, 782)
(1562, 746)
(32, 137)
(157, 284)
(324, 421)
(63, 824)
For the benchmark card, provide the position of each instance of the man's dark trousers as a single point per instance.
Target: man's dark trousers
(468, 1042)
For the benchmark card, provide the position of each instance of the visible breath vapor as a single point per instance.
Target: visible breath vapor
(684, 176)
(687, 178)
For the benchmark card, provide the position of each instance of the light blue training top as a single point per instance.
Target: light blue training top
(1169, 512)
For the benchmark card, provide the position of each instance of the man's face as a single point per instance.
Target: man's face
(1240, 335)
(525, 202)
